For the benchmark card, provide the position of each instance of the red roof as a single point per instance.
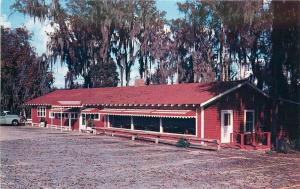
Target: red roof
(193, 93)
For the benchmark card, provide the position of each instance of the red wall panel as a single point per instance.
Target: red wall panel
(244, 98)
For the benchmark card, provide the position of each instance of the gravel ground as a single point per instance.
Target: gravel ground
(44, 158)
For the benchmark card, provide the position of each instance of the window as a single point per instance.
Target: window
(120, 121)
(86, 117)
(74, 115)
(146, 123)
(83, 119)
(41, 112)
(227, 120)
(249, 120)
(179, 126)
(57, 115)
(51, 114)
(91, 116)
(65, 115)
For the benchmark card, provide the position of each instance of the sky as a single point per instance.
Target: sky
(11, 19)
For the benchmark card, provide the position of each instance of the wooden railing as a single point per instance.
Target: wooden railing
(166, 138)
(58, 127)
(254, 139)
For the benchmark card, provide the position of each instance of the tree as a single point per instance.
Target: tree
(24, 75)
(284, 67)
(102, 75)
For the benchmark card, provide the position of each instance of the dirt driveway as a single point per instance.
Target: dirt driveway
(44, 158)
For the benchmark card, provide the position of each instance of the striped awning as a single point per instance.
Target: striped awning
(150, 112)
(59, 110)
(90, 110)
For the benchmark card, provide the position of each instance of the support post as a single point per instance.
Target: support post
(131, 126)
(108, 123)
(242, 140)
(253, 139)
(269, 139)
(69, 115)
(61, 121)
(161, 128)
(202, 124)
(51, 123)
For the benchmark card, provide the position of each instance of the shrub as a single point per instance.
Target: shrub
(295, 144)
(42, 119)
(183, 143)
(283, 145)
(90, 123)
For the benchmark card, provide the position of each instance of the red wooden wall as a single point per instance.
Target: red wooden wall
(242, 99)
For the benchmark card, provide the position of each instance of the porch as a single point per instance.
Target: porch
(250, 140)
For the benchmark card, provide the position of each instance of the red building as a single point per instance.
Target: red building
(230, 112)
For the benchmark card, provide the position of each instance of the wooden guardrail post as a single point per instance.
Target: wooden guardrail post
(242, 140)
(218, 144)
(253, 139)
(133, 137)
(269, 139)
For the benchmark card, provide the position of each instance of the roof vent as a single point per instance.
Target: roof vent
(139, 82)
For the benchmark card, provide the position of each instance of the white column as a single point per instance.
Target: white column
(132, 126)
(108, 123)
(51, 122)
(202, 122)
(61, 121)
(161, 129)
(69, 115)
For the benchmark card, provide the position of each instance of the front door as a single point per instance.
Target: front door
(226, 125)
(82, 124)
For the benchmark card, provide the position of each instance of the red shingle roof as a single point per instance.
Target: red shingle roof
(193, 93)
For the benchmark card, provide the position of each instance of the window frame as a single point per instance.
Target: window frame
(51, 115)
(41, 111)
(245, 120)
(85, 114)
(74, 115)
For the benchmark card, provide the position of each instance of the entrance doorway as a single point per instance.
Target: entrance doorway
(226, 125)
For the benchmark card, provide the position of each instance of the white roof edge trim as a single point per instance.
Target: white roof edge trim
(257, 89)
(289, 101)
(230, 90)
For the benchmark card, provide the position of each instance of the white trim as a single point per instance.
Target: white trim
(70, 125)
(233, 89)
(289, 101)
(222, 94)
(161, 128)
(257, 89)
(41, 107)
(91, 114)
(196, 122)
(152, 132)
(202, 122)
(253, 120)
(50, 116)
(131, 123)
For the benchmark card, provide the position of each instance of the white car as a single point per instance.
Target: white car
(9, 119)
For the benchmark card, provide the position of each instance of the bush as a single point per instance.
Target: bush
(183, 143)
(42, 119)
(90, 123)
(283, 145)
(295, 144)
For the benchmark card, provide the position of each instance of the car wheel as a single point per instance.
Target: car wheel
(15, 123)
